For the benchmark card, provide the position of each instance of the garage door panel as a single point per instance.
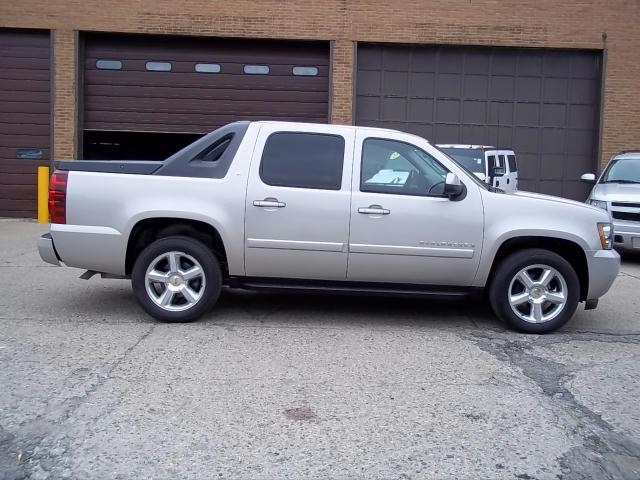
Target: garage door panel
(368, 83)
(142, 92)
(500, 113)
(527, 114)
(395, 83)
(25, 192)
(528, 88)
(10, 164)
(25, 139)
(420, 109)
(394, 109)
(502, 88)
(198, 80)
(14, 124)
(369, 107)
(476, 86)
(23, 103)
(422, 85)
(554, 115)
(474, 134)
(195, 106)
(449, 85)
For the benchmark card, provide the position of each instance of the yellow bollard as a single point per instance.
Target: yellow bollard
(43, 194)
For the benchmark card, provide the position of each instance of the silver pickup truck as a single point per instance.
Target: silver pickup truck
(338, 209)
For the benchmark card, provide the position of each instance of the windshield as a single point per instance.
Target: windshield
(475, 179)
(470, 158)
(622, 170)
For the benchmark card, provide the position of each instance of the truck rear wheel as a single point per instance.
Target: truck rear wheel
(176, 279)
(534, 291)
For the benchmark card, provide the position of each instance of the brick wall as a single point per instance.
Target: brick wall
(539, 23)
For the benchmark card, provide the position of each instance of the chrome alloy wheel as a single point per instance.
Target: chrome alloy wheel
(175, 281)
(538, 293)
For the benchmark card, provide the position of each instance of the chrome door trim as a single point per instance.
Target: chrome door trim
(295, 245)
(412, 251)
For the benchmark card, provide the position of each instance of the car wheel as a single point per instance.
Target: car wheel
(534, 291)
(176, 279)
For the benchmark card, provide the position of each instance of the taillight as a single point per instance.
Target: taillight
(58, 197)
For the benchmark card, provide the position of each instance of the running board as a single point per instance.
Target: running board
(350, 288)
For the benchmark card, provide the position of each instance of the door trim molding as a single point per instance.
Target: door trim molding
(295, 245)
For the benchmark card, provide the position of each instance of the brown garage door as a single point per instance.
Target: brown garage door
(149, 83)
(543, 103)
(25, 117)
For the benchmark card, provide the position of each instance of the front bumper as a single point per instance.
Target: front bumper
(604, 266)
(626, 235)
(47, 251)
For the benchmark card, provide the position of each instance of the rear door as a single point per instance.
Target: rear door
(297, 206)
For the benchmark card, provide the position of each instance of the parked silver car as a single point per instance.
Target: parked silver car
(332, 208)
(618, 191)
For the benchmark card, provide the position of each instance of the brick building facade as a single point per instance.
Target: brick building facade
(606, 27)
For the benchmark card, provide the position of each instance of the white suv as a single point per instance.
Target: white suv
(497, 167)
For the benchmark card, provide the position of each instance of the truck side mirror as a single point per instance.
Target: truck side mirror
(588, 178)
(453, 187)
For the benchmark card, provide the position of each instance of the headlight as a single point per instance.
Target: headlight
(605, 230)
(598, 203)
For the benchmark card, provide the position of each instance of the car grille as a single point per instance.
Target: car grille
(626, 204)
(630, 216)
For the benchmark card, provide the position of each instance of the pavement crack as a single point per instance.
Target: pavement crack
(605, 452)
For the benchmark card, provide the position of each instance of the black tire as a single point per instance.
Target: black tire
(506, 271)
(211, 271)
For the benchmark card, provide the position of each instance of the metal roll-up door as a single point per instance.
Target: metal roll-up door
(146, 83)
(543, 103)
(25, 118)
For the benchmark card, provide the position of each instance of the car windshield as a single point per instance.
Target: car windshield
(622, 170)
(470, 158)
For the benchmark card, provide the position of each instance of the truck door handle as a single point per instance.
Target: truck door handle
(269, 203)
(374, 210)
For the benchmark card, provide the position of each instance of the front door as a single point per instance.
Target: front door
(297, 206)
(403, 229)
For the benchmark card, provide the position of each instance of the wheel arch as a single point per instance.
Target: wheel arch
(148, 230)
(571, 251)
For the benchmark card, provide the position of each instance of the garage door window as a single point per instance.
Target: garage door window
(396, 167)
(305, 71)
(207, 68)
(256, 69)
(303, 160)
(158, 66)
(108, 64)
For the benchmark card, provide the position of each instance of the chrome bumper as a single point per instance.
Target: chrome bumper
(604, 266)
(47, 251)
(626, 235)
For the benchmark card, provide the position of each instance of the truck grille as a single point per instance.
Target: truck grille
(626, 204)
(630, 216)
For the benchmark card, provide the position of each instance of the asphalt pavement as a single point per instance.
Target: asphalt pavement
(271, 386)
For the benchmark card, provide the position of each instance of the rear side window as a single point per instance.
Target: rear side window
(500, 162)
(512, 163)
(303, 160)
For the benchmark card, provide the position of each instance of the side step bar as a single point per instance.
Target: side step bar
(350, 288)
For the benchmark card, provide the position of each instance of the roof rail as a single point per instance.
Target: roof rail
(632, 150)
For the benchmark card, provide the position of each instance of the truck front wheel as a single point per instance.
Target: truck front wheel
(176, 279)
(534, 291)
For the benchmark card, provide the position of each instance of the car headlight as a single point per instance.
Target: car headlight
(605, 230)
(598, 203)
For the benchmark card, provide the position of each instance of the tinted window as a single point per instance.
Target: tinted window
(108, 64)
(512, 163)
(500, 162)
(303, 160)
(389, 166)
